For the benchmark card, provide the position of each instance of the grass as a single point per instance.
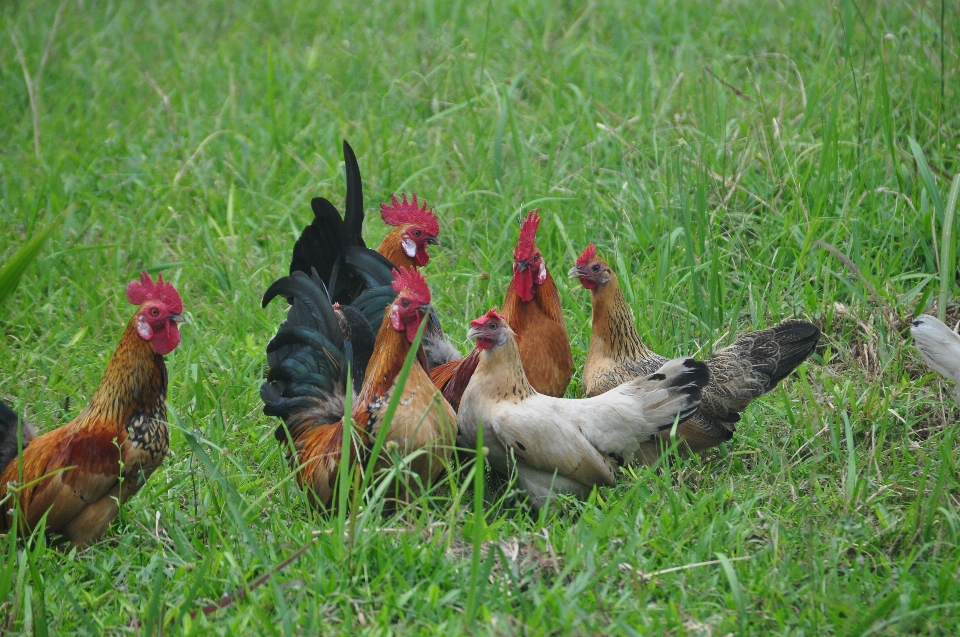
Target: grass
(705, 147)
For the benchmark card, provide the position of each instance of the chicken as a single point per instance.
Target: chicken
(532, 308)
(749, 368)
(307, 381)
(562, 445)
(80, 473)
(939, 346)
(334, 247)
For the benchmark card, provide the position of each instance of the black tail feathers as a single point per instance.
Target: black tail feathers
(8, 434)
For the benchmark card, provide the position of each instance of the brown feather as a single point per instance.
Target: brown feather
(750, 367)
(542, 337)
(122, 432)
(392, 249)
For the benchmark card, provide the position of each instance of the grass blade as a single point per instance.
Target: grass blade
(13, 269)
(948, 250)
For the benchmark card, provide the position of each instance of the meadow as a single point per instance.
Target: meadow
(739, 163)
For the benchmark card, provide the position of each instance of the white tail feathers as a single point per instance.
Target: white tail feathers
(939, 346)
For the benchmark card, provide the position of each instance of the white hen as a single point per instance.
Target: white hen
(561, 445)
(939, 346)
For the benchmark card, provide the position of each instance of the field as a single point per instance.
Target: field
(738, 162)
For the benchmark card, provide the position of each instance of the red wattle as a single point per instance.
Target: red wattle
(421, 258)
(484, 343)
(166, 339)
(523, 284)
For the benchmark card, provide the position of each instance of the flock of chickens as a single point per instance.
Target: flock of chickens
(348, 339)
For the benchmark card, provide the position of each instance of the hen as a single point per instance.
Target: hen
(334, 247)
(747, 369)
(307, 383)
(532, 309)
(939, 346)
(80, 473)
(561, 445)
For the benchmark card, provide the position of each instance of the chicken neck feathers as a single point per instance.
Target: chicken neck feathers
(542, 337)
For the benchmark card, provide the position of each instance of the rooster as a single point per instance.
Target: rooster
(562, 445)
(79, 475)
(307, 383)
(334, 247)
(939, 346)
(532, 310)
(749, 368)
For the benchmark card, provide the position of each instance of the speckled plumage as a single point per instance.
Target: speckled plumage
(747, 369)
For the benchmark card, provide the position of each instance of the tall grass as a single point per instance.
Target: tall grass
(709, 150)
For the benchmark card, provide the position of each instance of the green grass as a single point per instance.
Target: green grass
(705, 147)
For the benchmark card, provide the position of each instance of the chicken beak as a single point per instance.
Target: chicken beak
(576, 273)
(424, 309)
(522, 266)
(435, 241)
(474, 333)
(178, 318)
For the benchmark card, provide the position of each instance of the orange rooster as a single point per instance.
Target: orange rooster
(747, 369)
(532, 310)
(79, 474)
(307, 380)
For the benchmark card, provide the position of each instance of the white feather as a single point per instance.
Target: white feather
(561, 445)
(939, 346)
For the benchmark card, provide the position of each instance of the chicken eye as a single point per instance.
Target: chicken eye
(417, 233)
(405, 303)
(536, 258)
(596, 267)
(154, 312)
(493, 326)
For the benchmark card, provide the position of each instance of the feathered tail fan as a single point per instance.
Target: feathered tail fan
(307, 357)
(753, 365)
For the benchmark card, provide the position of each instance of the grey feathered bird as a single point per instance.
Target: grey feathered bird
(747, 369)
(939, 346)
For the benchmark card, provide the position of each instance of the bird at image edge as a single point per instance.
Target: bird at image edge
(939, 346)
(80, 473)
(747, 369)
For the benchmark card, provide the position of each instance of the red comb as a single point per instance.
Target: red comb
(528, 232)
(492, 314)
(139, 292)
(410, 280)
(587, 255)
(400, 212)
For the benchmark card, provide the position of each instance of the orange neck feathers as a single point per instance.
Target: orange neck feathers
(392, 247)
(390, 351)
(135, 380)
(545, 298)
